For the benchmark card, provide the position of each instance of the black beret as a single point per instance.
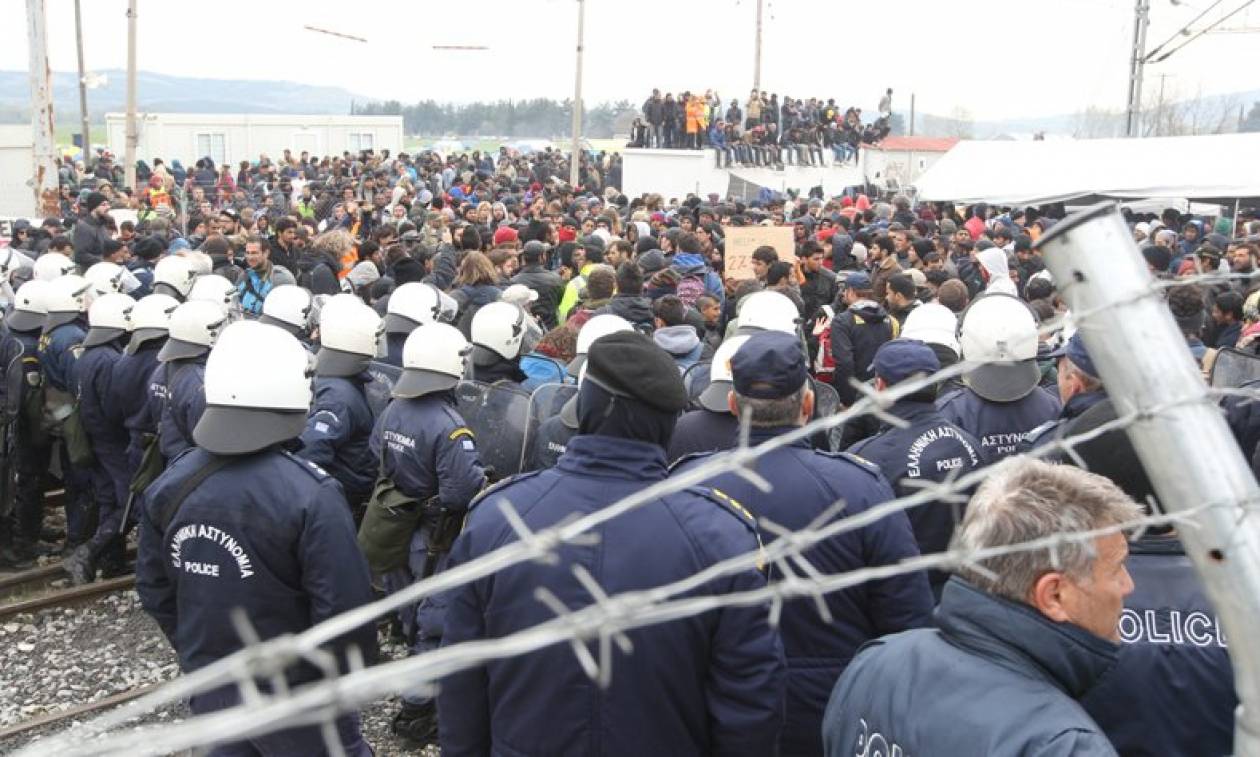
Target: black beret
(629, 364)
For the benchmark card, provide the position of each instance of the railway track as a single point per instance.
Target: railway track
(74, 713)
(67, 597)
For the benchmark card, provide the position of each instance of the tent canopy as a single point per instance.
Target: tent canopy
(1216, 168)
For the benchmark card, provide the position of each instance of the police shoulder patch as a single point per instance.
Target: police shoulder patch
(859, 461)
(497, 485)
(461, 431)
(730, 505)
(1037, 433)
(689, 457)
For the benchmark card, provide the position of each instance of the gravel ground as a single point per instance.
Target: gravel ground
(61, 658)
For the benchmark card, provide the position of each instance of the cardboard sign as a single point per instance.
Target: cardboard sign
(741, 241)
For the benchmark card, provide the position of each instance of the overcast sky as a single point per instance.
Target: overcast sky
(995, 58)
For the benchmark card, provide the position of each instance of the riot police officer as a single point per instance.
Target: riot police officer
(340, 423)
(928, 448)
(711, 427)
(51, 266)
(60, 346)
(498, 335)
(137, 394)
(598, 326)
(28, 445)
(289, 307)
(723, 670)
(237, 521)
(428, 453)
(173, 276)
(109, 320)
(217, 289)
(410, 306)
(194, 327)
(771, 386)
(1001, 402)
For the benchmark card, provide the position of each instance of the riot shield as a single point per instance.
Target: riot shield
(826, 403)
(1233, 368)
(544, 403)
(696, 380)
(378, 389)
(498, 416)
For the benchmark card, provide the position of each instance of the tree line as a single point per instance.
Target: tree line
(538, 118)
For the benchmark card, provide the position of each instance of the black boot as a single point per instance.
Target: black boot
(417, 723)
(80, 565)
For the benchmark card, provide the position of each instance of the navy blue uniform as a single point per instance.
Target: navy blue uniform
(703, 431)
(806, 482)
(138, 394)
(59, 352)
(32, 453)
(929, 449)
(270, 534)
(394, 349)
(425, 448)
(1172, 693)
(552, 438)
(185, 402)
(707, 684)
(337, 431)
(103, 424)
(1000, 427)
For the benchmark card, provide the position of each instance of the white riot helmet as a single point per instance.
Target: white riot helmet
(721, 380)
(933, 324)
(289, 307)
(11, 260)
(258, 390)
(1000, 331)
(150, 319)
(68, 297)
(52, 265)
(217, 289)
(410, 305)
(195, 325)
(768, 311)
(600, 325)
(108, 319)
(432, 361)
(498, 333)
(173, 275)
(349, 336)
(106, 277)
(30, 306)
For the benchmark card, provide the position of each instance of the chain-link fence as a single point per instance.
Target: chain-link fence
(1162, 404)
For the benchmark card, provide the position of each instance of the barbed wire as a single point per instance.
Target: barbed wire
(608, 617)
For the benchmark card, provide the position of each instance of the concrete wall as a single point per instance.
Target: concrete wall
(244, 137)
(677, 173)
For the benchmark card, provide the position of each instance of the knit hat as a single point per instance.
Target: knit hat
(93, 200)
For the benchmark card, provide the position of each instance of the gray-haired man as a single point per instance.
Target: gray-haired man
(1017, 642)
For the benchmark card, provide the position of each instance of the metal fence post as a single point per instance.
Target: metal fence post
(1186, 447)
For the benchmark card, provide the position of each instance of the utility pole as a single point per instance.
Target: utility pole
(85, 127)
(1137, 61)
(44, 175)
(757, 53)
(133, 132)
(1159, 109)
(912, 114)
(576, 146)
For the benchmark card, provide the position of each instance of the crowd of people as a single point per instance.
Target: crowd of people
(765, 132)
(261, 375)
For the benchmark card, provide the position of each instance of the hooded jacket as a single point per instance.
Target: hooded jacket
(634, 308)
(994, 262)
(995, 677)
(692, 264)
(855, 336)
(681, 342)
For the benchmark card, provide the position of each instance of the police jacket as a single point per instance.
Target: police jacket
(427, 450)
(58, 354)
(994, 678)
(806, 482)
(137, 394)
(185, 402)
(703, 431)
(929, 449)
(268, 533)
(17, 360)
(1172, 693)
(97, 411)
(856, 334)
(394, 349)
(337, 431)
(1000, 427)
(707, 684)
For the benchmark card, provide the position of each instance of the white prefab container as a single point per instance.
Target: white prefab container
(17, 169)
(677, 173)
(233, 137)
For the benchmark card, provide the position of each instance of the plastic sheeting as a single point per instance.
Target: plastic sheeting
(1216, 168)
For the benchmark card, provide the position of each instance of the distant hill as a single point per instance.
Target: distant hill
(175, 94)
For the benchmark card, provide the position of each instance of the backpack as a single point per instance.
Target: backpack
(690, 289)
